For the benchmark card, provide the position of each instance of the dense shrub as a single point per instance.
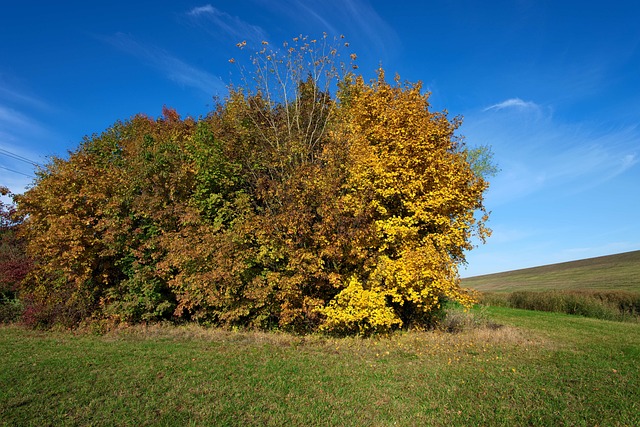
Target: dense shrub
(627, 303)
(455, 318)
(498, 299)
(290, 209)
(608, 305)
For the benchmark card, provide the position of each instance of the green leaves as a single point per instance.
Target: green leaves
(283, 207)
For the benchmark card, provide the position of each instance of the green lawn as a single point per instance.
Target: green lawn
(614, 272)
(540, 369)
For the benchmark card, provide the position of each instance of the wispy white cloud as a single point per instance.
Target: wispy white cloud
(538, 153)
(21, 115)
(507, 234)
(222, 24)
(585, 157)
(305, 10)
(15, 126)
(628, 162)
(516, 180)
(202, 10)
(17, 131)
(16, 97)
(513, 103)
(21, 129)
(358, 20)
(11, 117)
(371, 24)
(172, 67)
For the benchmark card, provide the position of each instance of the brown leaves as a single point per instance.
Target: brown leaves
(282, 207)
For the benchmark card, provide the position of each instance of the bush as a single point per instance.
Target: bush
(627, 303)
(14, 263)
(456, 319)
(283, 208)
(606, 305)
(356, 310)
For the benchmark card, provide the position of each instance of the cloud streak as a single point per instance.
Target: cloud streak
(17, 131)
(371, 24)
(20, 98)
(202, 10)
(172, 67)
(222, 24)
(16, 126)
(513, 103)
(539, 154)
(11, 117)
(356, 19)
(628, 162)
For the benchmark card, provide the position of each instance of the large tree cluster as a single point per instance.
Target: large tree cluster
(284, 207)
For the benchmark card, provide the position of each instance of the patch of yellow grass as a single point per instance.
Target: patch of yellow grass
(412, 343)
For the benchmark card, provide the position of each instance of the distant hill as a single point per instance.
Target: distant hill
(619, 272)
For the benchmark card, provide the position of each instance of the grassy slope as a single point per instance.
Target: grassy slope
(550, 370)
(619, 272)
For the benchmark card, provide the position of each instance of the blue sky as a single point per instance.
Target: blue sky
(553, 87)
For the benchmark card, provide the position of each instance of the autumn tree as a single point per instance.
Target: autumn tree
(416, 194)
(307, 199)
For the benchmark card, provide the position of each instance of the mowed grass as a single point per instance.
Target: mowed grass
(619, 272)
(538, 369)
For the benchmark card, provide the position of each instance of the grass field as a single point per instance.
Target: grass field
(614, 272)
(540, 369)
(536, 368)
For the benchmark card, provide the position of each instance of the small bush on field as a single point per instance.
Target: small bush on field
(607, 305)
(456, 319)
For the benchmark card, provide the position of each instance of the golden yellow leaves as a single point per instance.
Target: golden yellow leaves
(283, 207)
(359, 310)
(406, 171)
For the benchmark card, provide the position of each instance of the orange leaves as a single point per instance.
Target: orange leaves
(94, 219)
(283, 207)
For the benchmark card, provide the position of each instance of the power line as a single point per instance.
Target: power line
(14, 171)
(19, 157)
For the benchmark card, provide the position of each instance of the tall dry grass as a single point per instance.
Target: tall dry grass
(606, 305)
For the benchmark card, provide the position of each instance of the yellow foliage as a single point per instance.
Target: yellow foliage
(358, 310)
(408, 179)
(283, 206)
